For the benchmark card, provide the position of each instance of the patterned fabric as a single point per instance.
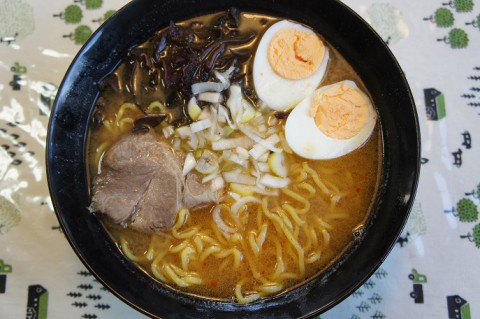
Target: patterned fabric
(432, 271)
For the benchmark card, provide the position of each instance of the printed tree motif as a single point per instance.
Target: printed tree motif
(442, 17)
(476, 235)
(85, 287)
(80, 34)
(105, 17)
(460, 5)
(467, 210)
(475, 23)
(378, 315)
(89, 316)
(457, 38)
(357, 294)
(71, 14)
(375, 299)
(381, 273)
(355, 317)
(473, 237)
(94, 297)
(91, 4)
(74, 294)
(363, 307)
(369, 284)
(108, 14)
(102, 306)
(84, 273)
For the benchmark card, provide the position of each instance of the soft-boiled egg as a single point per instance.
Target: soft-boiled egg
(289, 64)
(331, 122)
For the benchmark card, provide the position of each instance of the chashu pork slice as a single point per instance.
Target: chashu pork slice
(140, 181)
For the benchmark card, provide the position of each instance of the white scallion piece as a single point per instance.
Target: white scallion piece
(189, 164)
(176, 143)
(210, 97)
(229, 143)
(274, 182)
(201, 139)
(263, 167)
(217, 183)
(263, 158)
(200, 125)
(203, 87)
(236, 159)
(193, 141)
(222, 110)
(234, 102)
(242, 152)
(210, 177)
(193, 109)
(267, 143)
(183, 132)
(168, 131)
(257, 151)
(239, 178)
(223, 78)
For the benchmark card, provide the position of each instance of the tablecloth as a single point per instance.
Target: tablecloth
(431, 273)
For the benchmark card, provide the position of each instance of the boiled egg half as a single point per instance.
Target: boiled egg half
(289, 63)
(331, 122)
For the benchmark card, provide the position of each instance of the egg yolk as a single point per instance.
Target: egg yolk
(340, 112)
(295, 54)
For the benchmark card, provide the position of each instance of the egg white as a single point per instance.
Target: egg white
(275, 91)
(307, 140)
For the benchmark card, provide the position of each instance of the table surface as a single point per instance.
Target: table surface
(431, 273)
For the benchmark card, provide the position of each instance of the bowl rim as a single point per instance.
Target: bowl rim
(63, 119)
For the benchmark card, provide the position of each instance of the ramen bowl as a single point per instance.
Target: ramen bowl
(68, 173)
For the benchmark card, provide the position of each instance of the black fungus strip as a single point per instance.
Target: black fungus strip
(207, 52)
(180, 35)
(281, 115)
(236, 41)
(210, 62)
(162, 45)
(151, 120)
(234, 17)
(132, 77)
(109, 81)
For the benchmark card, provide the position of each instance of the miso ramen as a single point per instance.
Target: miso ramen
(234, 155)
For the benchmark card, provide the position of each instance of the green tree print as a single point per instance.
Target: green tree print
(457, 38)
(81, 34)
(443, 18)
(91, 4)
(475, 23)
(108, 14)
(73, 14)
(461, 5)
(467, 210)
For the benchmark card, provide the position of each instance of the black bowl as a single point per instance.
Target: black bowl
(67, 173)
